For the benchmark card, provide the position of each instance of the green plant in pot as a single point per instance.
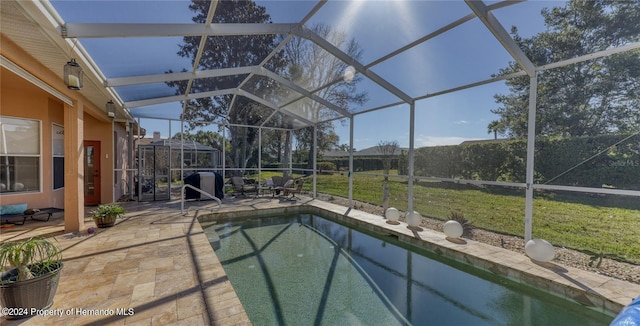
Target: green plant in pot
(30, 275)
(105, 215)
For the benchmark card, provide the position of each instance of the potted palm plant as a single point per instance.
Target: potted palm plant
(106, 214)
(30, 275)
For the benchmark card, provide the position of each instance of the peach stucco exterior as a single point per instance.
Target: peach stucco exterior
(82, 121)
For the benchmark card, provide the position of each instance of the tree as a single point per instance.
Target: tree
(326, 139)
(301, 61)
(226, 52)
(496, 127)
(387, 150)
(344, 147)
(593, 97)
(312, 67)
(273, 145)
(208, 138)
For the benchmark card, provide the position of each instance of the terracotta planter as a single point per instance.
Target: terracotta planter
(105, 222)
(37, 293)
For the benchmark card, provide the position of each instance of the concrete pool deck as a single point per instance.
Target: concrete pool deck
(156, 267)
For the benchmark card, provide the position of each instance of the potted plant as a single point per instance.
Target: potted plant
(30, 275)
(106, 214)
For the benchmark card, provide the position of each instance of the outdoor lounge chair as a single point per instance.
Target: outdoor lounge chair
(240, 187)
(295, 189)
(36, 214)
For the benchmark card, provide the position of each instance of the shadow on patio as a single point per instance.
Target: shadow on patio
(154, 266)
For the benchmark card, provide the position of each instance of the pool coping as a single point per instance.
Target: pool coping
(598, 292)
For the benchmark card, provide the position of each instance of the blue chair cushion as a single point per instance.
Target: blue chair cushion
(12, 209)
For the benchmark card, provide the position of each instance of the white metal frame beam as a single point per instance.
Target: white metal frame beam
(490, 21)
(196, 61)
(253, 70)
(267, 73)
(162, 78)
(110, 30)
(271, 105)
(327, 46)
(595, 55)
(440, 31)
(264, 61)
(230, 91)
(178, 98)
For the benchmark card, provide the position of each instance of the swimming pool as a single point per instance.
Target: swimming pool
(305, 269)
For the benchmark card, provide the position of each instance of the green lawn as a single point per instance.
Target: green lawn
(597, 223)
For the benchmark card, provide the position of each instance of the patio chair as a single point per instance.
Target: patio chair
(240, 187)
(278, 184)
(288, 183)
(294, 190)
(269, 183)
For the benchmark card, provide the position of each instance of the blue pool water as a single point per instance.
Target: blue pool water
(309, 270)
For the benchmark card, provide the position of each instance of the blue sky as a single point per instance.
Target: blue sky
(465, 54)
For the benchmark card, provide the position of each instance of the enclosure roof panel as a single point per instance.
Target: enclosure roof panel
(279, 58)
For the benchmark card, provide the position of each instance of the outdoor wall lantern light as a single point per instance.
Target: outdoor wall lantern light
(539, 250)
(111, 109)
(392, 214)
(73, 75)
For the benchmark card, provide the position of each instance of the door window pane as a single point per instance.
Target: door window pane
(58, 156)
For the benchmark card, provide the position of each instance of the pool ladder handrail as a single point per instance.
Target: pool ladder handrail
(201, 192)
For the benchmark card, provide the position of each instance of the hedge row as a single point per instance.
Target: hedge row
(579, 161)
(361, 163)
(295, 166)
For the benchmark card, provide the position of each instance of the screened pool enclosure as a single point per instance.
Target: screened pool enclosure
(497, 118)
(161, 170)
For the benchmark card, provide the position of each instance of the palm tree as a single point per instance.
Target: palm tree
(496, 126)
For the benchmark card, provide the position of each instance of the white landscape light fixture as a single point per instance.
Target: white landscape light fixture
(111, 109)
(392, 214)
(453, 229)
(414, 219)
(540, 250)
(73, 75)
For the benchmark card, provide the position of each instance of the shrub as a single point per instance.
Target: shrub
(460, 218)
(327, 166)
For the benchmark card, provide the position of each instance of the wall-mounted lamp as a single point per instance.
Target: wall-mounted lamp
(111, 109)
(73, 75)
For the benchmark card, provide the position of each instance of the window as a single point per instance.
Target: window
(19, 155)
(58, 156)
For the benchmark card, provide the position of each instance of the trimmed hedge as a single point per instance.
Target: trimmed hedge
(294, 166)
(578, 161)
(361, 163)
